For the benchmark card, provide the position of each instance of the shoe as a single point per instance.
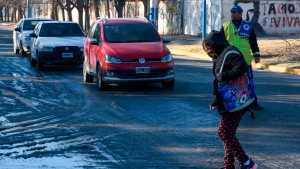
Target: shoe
(251, 165)
(256, 107)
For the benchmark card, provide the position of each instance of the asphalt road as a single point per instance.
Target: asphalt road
(51, 120)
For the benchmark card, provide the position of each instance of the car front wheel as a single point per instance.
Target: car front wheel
(39, 64)
(87, 78)
(100, 83)
(32, 62)
(21, 50)
(16, 50)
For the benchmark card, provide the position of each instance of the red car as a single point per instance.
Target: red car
(126, 50)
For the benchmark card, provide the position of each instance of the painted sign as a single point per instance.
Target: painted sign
(280, 16)
(272, 17)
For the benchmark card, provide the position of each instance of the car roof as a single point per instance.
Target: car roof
(36, 19)
(53, 21)
(112, 21)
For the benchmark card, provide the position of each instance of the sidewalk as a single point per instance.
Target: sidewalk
(7, 25)
(278, 54)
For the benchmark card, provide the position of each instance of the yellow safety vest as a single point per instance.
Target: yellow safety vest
(234, 39)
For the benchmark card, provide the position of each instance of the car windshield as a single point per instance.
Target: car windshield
(130, 33)
(30, 24)
(60, 29)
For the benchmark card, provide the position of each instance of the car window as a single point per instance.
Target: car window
(30, 24)
(127, 33)
(97, 33)
(36, 30)
(60, 30)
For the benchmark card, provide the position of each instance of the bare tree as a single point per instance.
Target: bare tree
(146, 7)
(83, 6)
(119, 5)
(54, 12)
(13, 10)
(96, 4)
(67, 5)
(79, 5)
(87, 4)
(108, 8)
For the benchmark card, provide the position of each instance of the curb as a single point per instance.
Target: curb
(7, 26)
(294, 71)
(278, 68)
(195, 55)
(270, 67)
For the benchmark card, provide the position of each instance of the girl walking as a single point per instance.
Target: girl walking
(228, 65)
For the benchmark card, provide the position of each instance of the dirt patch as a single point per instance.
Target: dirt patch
(280, 50)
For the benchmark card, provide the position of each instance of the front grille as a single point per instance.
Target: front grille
(73, 49)
(133, 74)
(56, 55)
(148, 60)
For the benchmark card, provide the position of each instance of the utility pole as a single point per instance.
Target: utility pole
(204, 19)
(29, 8)
(154, 12)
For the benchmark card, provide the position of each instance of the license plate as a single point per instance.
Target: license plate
(67, 55)
(142, 70)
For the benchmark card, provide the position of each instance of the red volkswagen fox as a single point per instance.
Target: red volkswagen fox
(126, 50)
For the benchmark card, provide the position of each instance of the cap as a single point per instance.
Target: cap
(236, 9)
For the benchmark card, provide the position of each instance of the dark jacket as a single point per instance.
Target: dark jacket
(234, 67)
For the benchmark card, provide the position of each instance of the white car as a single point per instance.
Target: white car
(57, 43)
(21, 38)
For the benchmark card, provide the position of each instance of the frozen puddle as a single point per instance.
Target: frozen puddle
(4, 122)
(59, 162)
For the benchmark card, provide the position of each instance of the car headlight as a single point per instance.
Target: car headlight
(112, 60)
(46, 49)
(167, 58)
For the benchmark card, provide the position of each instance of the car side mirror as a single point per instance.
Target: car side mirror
(17, 29)
(166, 41)
(94, 41)
(33, 35)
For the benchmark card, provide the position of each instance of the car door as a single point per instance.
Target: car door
(94, 47)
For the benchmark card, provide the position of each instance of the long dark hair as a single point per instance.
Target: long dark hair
(214, 44)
